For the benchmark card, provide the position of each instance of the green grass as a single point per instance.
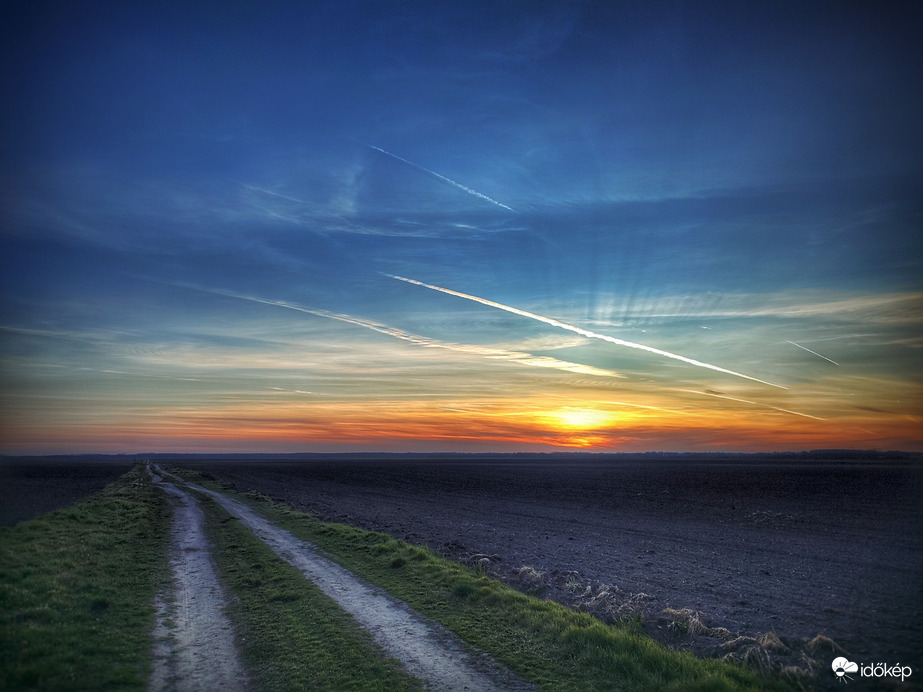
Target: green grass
(291, 635)
(542, 641)
(76, 588)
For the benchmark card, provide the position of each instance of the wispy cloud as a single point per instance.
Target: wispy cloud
(886, 308)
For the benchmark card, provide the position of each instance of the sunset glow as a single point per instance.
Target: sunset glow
(581, 418)
(330, 228)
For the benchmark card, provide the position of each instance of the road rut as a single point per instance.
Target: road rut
(193, 638)
(427, 650)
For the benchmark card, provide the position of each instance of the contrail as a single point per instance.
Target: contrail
(442, 177)
(267, 192)
(754, 403)
(810, 351)
(652, 408)
(493, 353)
(584, 332)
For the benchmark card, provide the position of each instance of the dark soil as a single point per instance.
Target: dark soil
(32, 487)
(800, 548)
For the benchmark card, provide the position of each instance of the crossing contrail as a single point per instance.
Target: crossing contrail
(520, 357)
(754, 403)
(584, 332)
(267, 192)
(652, 408)
(810, 351)
(442, 177)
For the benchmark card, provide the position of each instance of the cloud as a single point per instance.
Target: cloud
(831, 305)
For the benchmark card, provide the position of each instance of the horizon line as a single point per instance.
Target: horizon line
(583, 452)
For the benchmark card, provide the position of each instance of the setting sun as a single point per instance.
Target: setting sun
(581, 418)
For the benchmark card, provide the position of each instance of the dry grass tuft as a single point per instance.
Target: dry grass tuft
(738, 643)
(606, 601)
(768, 653)
(598, 600)
(529, 578)
(749, 652)
(822, 644)
(691, 621)
(771, 641)
(756, 658)
(635, 603)
(719, 632)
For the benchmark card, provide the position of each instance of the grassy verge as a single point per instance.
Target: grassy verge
(542, 641)
(76, 588)
(292, 636)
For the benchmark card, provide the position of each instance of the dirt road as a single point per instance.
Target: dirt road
(427, 650)
(193, 638)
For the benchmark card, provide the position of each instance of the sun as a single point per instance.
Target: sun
(581, 418)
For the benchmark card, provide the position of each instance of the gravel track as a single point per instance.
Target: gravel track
(427, 650)
(193, 638)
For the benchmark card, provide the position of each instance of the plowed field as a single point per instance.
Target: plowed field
(798, 547)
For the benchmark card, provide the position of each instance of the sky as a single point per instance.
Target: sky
(460, 226)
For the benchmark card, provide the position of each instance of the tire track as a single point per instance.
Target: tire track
(193, 638)
(428, 651)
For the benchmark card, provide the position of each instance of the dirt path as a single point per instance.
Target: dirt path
(193, 638)
(427, 650)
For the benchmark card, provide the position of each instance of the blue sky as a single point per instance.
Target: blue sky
(204, 206)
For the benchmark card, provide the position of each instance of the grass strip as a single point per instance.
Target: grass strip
(293, 636)
(542, 641)
(76, 590)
